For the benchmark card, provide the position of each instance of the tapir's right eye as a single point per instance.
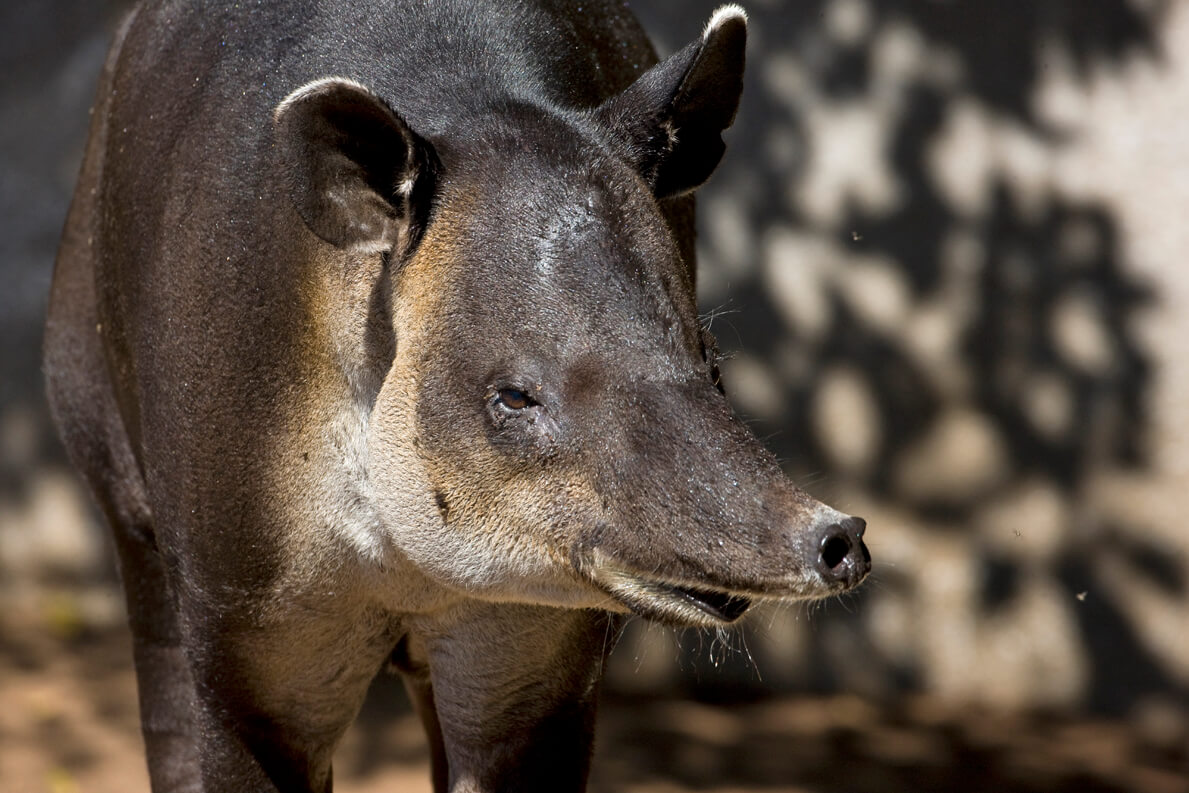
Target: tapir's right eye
(518, 421)
(514, 399)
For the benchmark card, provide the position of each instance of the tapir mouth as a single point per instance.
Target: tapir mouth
(669, 601)
(720, 605)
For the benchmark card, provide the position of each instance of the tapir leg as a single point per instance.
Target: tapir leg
(84, 406)
(514, 688)
(278, 682)
(410, 660)
(163, 675)
(420, 691)
(86, 411)
(164, 683)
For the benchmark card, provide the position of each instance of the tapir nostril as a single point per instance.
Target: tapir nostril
(834, 551)
(843, 555)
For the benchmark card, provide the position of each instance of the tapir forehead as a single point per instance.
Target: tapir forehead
(561, 247)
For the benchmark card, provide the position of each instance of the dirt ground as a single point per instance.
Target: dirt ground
(68, 724)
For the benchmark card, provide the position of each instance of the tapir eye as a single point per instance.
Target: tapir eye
(514, 399)
(517, 418)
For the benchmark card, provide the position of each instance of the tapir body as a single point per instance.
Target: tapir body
(373, 332)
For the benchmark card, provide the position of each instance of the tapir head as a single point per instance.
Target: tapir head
(547, 424)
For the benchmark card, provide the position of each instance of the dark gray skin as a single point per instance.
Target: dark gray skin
(373, 331)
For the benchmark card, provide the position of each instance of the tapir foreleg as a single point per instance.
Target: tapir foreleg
(514, 687)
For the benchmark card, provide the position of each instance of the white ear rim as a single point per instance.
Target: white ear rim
(384, 240)
(721, 16)
(315, 87)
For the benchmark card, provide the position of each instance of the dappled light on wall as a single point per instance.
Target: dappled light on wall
(935, 325)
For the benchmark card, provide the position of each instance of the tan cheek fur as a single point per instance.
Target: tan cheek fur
(503, 538)
(356, 496)
(324, 492)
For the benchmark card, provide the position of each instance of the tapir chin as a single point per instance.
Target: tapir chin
(373, 332)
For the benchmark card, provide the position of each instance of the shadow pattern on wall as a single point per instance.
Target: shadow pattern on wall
(918, 315)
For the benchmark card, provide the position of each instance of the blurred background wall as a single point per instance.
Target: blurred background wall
(944, 256)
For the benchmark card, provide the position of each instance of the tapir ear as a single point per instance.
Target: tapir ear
(357, 175)
(671, 119)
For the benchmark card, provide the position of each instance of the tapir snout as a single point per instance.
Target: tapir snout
(842, 562)
(701, 521)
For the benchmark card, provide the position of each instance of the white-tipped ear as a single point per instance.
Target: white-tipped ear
(723, 15)
(352, 165)
(669, 122)
(313, 88)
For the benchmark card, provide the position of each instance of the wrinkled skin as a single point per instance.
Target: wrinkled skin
(388, 354)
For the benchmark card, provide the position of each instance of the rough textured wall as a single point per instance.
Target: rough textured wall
(944, 252)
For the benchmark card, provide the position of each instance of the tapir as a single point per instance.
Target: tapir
(373, 332)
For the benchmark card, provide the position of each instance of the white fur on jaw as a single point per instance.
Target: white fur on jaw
(634, 589)
(721, 16)
(349, 494)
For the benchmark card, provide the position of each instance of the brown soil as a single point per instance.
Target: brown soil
(69, 723)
